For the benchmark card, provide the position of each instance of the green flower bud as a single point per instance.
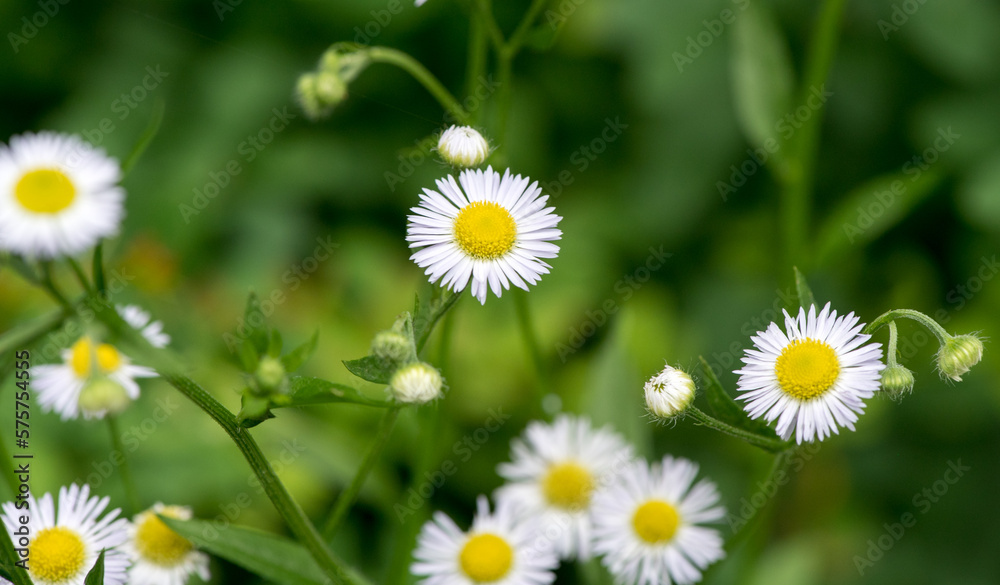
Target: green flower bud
(417, 383)
(270, 375)
(897, 381)
(392, 346)
(958, 355)
(103, 396)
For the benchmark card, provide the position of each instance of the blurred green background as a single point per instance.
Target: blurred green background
(223, 80)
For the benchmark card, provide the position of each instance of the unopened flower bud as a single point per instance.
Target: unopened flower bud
(669, 393)
(958, 354)
(392, 346)
(463, 146)
(416, 383)
(103, 396)
(270, 375)
(897, 381)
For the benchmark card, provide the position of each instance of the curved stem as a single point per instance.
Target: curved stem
(527, 327)
(289, 509)
(890, 351)
(889, 316)
(131, 495)
(770, 445)
(421, 74)
(48, 283)
(347, 497)
(80, 275)
(485, 10)
(521, 32)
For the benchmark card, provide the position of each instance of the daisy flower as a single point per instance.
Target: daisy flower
(813, 377)
(554, 471)
(94, 378)
(58, 195)
(500, 548)
(486, 229)
(647, 524)
(64, 542)
(142, 322)
(463, 146)
(161, 556)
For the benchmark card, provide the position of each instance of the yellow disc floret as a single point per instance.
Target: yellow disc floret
(157, 543)
(485, 230)
(568, 485)
(45, 191)
(85, 352)
(656, 521)
(56, 555)
(486, 558)
(807, 368)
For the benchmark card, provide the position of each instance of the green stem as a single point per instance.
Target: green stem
(780, 462)
(890, 352)
(770, 445)
(131, 495)
(444, 304)
(48, 283)
(421, 74)
(797, 191)
(890, 316)
(527, 327)
(289, 509)
(485, 10)
(504, 78)
(346, 499)
(80, 275)
(521, 32)
(476, 60)
(100, 283)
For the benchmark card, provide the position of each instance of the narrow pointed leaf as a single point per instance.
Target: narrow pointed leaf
(308, 391)
(152, 128)
(804, 293)
(725, 408)
(96, 574)
(301, 354)
(372, 369)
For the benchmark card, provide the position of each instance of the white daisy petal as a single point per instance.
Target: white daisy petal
(489, 229)
(160, 555)
(814, 379)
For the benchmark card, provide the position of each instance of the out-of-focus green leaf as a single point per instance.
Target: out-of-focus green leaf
(803, 291)
(427, 314)
(274, 344)
(255, 410)
(248, 356)
(268, 556)
(763, 79)
(147, 136)
(301, 354)
(253, 323)
(96, 574)
(871, 209)
(979, 196)
(308, 391)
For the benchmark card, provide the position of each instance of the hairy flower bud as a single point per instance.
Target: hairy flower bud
(463, 146)
(416, 383)
(669, 393)
(958, 355)
(897, 381)
(392, 346)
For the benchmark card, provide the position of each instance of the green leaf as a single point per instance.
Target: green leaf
(256, 333)
(268, 556)
(301, 354)
(8, 558)
(308, 391)
(249, 358)
(255, 410)
(96, 574)
(274, 344)
(872, 209)
(372, 369)
(725, 408)
(152, 128)
(26, 270)
(763, 79)
(426, 315)
(803, 292)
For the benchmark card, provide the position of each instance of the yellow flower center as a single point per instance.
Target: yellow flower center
(45, 191)
(568, 485)
(56, 555)
(486, 558)
(84, 354)
(157, 543)
(807, 368)
(656, 521)
(485, 230)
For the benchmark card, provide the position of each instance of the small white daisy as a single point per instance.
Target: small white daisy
(500, 548)
(64, 542)
(647, 524)
(58, 195)
(142, 322)
(161, 556)
(669, 393)
(93, 379)
(491, 230)
(554, 471)
(815, 378)
(463, 146)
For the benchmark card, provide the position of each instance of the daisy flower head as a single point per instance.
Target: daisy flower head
(65, 541)
(463, 146)
(554, 472)
(500, 548)
(813, 377)
(94, 379)
(58, 195)
(648, 524)
(142, 322)
(160, 555)
(489, 229)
